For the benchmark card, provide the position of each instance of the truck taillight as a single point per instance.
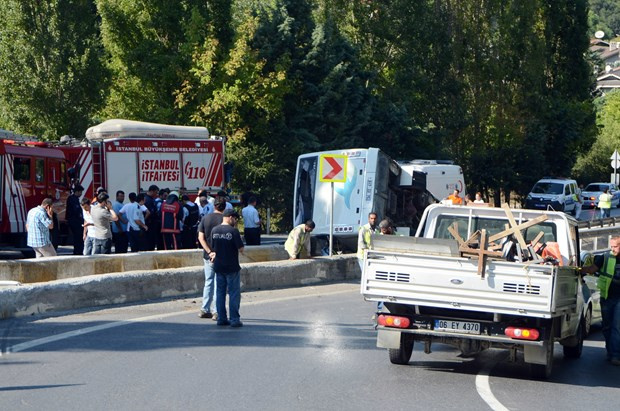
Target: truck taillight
(393, 321)
(522, 333)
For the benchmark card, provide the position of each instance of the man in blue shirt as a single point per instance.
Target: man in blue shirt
(251, 223)
(38, 225)
(119, 227)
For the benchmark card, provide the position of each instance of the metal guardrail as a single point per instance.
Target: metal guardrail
(595, 234)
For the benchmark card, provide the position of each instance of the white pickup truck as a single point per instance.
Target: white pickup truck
(435, 293)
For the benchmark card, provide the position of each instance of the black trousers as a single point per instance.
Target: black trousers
(189, 238)
(77, 232)
(172, 241)
(120, 242)
(252, 236)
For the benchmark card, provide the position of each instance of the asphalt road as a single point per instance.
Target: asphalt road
(594, 214)
(310, 348)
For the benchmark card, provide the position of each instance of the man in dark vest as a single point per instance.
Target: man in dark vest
(171, 216)
(191, 219)
(75, 219)
(153, 221)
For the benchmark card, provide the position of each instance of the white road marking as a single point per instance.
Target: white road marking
(484, 388)
(82, 331)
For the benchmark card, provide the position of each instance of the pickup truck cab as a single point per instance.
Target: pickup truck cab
(435, 293)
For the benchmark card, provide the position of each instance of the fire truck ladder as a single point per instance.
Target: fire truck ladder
(97, 166)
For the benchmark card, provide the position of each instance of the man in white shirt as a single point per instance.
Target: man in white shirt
(251, 223)
(136, 226)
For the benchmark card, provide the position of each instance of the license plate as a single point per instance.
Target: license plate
(540, 205)
(457, 326)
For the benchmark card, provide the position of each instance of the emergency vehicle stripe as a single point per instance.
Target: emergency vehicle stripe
(9, 193)
(21, 207)
(14, 199)
(207, 182)
(215, 161)
(86, 174)
(214, 170)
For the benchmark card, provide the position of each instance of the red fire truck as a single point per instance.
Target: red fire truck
(116, 154)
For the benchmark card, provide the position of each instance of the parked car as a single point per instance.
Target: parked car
(553, 193)
(592, 295)
(591, 193)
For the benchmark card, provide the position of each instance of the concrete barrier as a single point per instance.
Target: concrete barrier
(62, 267)
(134, 286)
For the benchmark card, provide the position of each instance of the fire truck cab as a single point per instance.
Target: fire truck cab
(30, 171)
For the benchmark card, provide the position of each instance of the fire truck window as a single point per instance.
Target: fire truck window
(21, 169)
(39, 170)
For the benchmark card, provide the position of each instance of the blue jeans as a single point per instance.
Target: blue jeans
(103, 246)
(605, 212)
(209, 296)
(89, 245)
(610, 310)
(232, 282)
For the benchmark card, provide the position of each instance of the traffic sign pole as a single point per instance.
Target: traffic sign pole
(331, 222)
(332, 169)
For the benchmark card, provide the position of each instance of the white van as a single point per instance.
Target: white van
(553, 194)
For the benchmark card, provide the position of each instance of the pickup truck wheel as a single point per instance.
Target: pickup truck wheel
(402, 355)
(587, 321)
(575, 352)
(543, 371)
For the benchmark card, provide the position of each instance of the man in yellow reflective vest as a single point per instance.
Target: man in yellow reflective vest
(364, 237)
(298, 242)
(608, 272)
(604, 203)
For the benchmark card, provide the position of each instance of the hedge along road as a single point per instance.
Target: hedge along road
(300, 348)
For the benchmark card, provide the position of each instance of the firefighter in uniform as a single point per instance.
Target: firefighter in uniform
(171, 216)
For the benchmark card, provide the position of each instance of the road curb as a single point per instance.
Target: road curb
(134, 286)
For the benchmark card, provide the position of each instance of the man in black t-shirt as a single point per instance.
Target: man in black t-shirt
(204, 238)
(227, 243)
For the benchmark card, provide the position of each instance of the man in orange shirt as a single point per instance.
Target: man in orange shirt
(454, 197)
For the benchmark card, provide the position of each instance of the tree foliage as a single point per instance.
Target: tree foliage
(502, 87)
(51, 68)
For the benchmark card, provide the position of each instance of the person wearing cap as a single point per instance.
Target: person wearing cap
(207, 223)
(386, 227)
(227, 244)
(223, 195)
(75, 219)
(100, 190)
(171, 217)
(298, 242)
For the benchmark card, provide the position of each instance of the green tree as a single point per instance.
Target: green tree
(594, 164)
(51, 75)
(150, 45)
(285, 87)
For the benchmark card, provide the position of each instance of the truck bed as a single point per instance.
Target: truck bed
(448, 281)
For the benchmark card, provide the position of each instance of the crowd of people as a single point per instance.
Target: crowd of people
(164, 220)
(159, 219)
